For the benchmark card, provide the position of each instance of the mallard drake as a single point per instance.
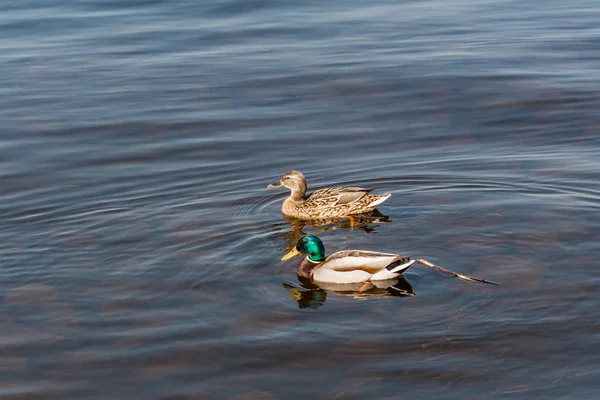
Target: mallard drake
(329, 203)
(355, 266)
(349, 266)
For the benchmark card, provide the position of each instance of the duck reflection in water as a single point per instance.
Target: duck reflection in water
(310, 295)
(368, 223)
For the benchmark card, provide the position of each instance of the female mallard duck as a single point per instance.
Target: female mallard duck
(349, 266)
(329, 203)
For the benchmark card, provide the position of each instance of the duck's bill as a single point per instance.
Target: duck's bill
(275, 185)
(293, 253)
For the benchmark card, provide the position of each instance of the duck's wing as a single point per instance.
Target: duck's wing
(323, 197)
(360, 266)
(354, 259)
(338, 196)
(351, 195)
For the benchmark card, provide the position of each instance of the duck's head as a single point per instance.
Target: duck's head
(293, 180)
(309, 245)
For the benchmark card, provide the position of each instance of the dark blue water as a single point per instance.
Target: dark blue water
(139, 246)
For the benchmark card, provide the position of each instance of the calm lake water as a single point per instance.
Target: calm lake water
(140, 247)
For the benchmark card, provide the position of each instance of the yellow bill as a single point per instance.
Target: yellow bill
(293, 253)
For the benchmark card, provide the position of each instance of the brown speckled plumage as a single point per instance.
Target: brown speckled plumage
(325, 203)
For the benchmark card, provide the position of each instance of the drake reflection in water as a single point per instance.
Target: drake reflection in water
(310, 295)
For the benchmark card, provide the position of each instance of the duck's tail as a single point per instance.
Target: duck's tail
(394, 269)
(379, 199)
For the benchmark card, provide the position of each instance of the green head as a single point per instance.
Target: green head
(309, 245)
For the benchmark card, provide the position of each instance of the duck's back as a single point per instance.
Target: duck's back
(337, 203)
(353, 266)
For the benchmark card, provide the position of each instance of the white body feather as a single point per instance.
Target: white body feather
(353, 269)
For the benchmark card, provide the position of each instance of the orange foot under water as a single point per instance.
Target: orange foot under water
(352, 221)
(364, 287)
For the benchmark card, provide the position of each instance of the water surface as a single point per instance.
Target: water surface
(140, 247)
